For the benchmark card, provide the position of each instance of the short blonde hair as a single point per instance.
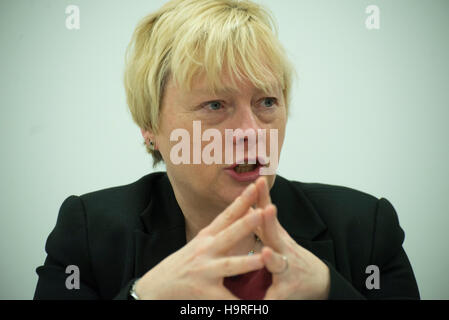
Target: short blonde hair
(185, 38)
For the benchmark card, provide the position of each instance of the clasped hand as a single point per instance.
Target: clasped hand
(197, 270)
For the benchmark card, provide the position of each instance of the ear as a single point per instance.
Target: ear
(147, 135)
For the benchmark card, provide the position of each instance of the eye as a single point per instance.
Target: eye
(269, 102)
(214, 105)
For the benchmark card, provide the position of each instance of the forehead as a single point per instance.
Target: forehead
(202, 85)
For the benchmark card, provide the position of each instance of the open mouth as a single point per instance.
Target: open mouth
(246, 167)
(245, 171)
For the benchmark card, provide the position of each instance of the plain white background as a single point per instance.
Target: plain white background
(369, 111)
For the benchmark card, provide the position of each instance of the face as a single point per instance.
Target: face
(216, 185)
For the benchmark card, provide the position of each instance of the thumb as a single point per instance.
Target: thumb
(274, 262)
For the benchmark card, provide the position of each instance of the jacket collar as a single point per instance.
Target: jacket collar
(163, 229)
(299, 218)
(295, 212)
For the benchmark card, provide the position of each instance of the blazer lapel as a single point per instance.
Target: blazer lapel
(163, 228)
(301, 221)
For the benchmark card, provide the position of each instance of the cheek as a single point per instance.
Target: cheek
(182, 135)
(281, 138)
(195, 175)
(279, 126)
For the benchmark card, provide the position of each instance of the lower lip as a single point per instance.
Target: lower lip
(244, 176)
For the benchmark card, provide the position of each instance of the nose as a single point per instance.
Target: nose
(247, 122)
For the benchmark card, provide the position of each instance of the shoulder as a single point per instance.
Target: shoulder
(348, 213)
(111, 208)
(134, 195)
(341, 203)
(329, 199)
(353, 216)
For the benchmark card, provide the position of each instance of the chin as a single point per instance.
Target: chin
(233, 189)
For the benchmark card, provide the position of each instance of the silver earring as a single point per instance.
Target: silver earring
(151, 145)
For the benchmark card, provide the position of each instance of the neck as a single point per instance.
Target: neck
(199, 213)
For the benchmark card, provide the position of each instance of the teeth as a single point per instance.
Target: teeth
(245, 168)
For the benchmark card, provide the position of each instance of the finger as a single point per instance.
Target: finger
(229, 237)
(258, 229)
(274, 262)
(231, 266)
(263, 192)
(263, 199)
(235, 210)
(271, 234)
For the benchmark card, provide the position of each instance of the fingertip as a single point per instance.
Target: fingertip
(266, 253)
(260, 180)
(265, 184)
(269, 212)
(260, 184)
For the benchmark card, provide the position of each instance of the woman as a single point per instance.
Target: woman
(220, 229)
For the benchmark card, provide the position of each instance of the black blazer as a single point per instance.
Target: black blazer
(116, 235)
